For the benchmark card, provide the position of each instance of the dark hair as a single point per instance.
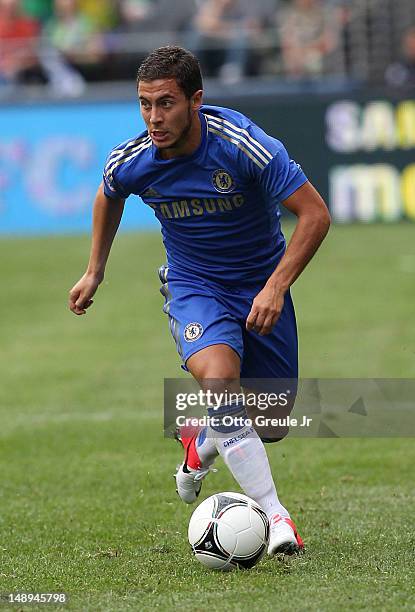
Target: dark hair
(172, 62)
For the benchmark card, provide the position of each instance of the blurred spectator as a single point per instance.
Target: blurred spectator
(77, 39)
(261, 10)
(156, 18)
(40, 10)
(260, 16)
(174, 21)
(101, 13)
(222, 38)
(19, 36)
(136, 15)
(402, 73)
(156, 22)
(309, 33)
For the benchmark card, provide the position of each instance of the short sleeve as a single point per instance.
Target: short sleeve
(113, 187)
(282, 176)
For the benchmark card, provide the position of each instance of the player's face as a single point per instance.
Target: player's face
(170, 117)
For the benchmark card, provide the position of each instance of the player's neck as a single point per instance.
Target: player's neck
(189, 144)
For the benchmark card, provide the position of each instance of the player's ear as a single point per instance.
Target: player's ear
(196, 99)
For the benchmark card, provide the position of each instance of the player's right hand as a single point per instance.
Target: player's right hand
(80, 295)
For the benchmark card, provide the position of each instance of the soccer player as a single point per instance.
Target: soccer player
(215, 181)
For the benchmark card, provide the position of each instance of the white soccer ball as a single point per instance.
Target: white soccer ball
(228, 530)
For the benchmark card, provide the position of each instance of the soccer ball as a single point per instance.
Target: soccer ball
(228, 530)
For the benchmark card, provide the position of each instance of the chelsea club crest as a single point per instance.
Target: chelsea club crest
(222, 181)
(192, 332)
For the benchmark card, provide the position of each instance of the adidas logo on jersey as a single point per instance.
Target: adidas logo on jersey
(151, 193)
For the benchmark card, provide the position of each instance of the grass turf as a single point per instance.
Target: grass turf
(87, 498)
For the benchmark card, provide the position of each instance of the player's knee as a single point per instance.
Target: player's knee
(217, 378)
(216, 383)
(216, 368)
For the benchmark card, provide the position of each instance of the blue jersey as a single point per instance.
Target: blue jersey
(218, 207)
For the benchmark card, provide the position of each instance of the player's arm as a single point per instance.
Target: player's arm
(311, 228)
(107, 213)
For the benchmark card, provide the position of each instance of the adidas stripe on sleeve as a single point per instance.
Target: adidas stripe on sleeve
(114, 185)
(240, 137)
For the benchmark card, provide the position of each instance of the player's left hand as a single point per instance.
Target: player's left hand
(266, 309)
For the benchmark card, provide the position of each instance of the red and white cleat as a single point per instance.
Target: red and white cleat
(284, 537)
(187, 436)
(189, 474)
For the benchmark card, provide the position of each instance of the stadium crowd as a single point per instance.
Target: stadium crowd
(66, 43)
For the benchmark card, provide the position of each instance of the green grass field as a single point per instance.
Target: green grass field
(88, 505)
